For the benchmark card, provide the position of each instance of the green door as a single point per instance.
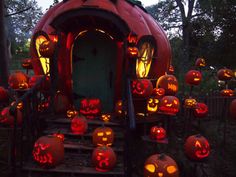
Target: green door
(94, 60)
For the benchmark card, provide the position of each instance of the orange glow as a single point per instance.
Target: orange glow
(150, 167)
(171, 169)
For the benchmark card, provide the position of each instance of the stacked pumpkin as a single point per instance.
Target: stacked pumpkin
(225, 75)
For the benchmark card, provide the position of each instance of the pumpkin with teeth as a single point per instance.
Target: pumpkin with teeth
(105, 117)
(227, 92)
(90, 107)
(103, 136)
(190, 103)
(152, 105)
(193, 77)
(169, 105)
(225, 74)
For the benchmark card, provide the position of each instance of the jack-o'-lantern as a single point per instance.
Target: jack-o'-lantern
(61, 102)
(225, 74)
(169, 105)
(103, 158)
(160, 165)
(105, 117)
(201, 110)
(103, 136)
(60, 136)
(152, 105)
(8, 119)
(190, 103)
(27, 64)
(119, 108)
(197, 147)
(71, 113)
(132, 39)
(48, 151)
(157, 133)
(132, 52)
(16, 79)
(4, 96)
(46, 49)
(19, 106)
(158, 92)
(23, 85)
(171, 69)
(142, 88)
(193, 77)
(227, 92)
(169, 83)
(90, 107)
(200, 62)
(79, 125)
(43, 106)
(232, 109)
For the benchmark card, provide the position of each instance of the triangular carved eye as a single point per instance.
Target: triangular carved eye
(198, 144)
(171, 169)
(150, 167)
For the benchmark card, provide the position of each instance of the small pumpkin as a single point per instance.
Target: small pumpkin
(105, 117)
(46, 49)
(232, 109)
(158, 92)
(27, 63)
(104, 158)
(79, 125)
(90, 107)
(157, 133)
(227, 92)
(169, 83)
(193, 77)
(19, 106)
(225, 74)
(8, 119)
(142, 88)
(152, 105)
(103, 136)
(201, 110)
(169, 105)
(71, 113)
(200, 62)
(132, 52)
(190, 103)
(16, 79)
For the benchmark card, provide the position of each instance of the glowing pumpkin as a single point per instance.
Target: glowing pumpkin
(71, 113)
(193, 77)
(152, 105)
(103, 158)
(132, 52)
(157, 133)
(190, 103)
(142, 88)
(27, 63)
(200, 62)
(23, 86)
(160, 165)
(19, 106)
(90, 107)
(46, 49)
(8, 119)
(103, 136)
(225, 74)
(227, 92)
(79, 125)
(169, 83)
(16, 79)
(201, 110)
(48, 151)
(197, 147)
(105, 117)
(232, 109)
(158, 92)
(169, 105)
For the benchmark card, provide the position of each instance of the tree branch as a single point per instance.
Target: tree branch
(18, 12)
(196, 15)
(181, 8)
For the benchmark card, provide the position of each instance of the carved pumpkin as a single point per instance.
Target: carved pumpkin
(48, 151)
(171, 69)
(227, 92)
(60, 136)
(158, 92)
(200, 62)
(61, 103)
(201, 110)
(190, 103)
(4, 97)
(103, 158)
(132, 52)
(169, 83)
(225, 74)
(79, 125)
(232, 109)
(16, 79)
(27, 63)
(8, 119)
(23, 86)
(90, 107)
(105, 117)
(160, 165)
(103, 136)
(19, 106)
(193, 77)
(46, 49)
(142, 88)
(71, 113)
(197, 147)
(132, 39)
(152, 105)
(169, 105)
(157, 133)
(119, 108)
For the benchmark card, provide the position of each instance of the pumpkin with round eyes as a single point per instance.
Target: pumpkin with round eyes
(171, 69)
(200, 62)
(103, 158)
(201, 110)
(152, 105)
(8, 119)
(160, 165)
(193, 77)
(16, 79)
(158, 92)
(79, 125)
(157, 133)
(4, 96)
(105, 117)
(27, 64)
(232, 109)
(142, 88)
(132, 52)
(227, 92)
(225, 74)
(196, 147)
(71, 113)
(90, 107)
(169, 83)
(46, 49)
(190, 103)
(103, 136)
(169, 105)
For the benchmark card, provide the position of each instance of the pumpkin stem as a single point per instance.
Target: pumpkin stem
(162, 156)
(198, 135)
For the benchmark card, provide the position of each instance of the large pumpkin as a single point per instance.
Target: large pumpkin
(3, 95)
(79, 125)
(169, 105)
(225, 74)
(169, 83)
(90, 107)
(232, 109)
(48, 151)
(7, 118)
(16, 79)
(103, 136)
(142, 88)
(193, 77)
(160, 165)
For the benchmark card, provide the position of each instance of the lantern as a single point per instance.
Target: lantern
(201, 110)
(46, 49)
(193, 77)
(103, 136)
(7, 118)
(48, 151)
(61, 102)
(197, 147)
(171, 69)
(105, 117)
(132, 52)
(157, 133)
(200, 62)
(169, 105)
(27, 64)
(225, 74)
(190, 103)
(227, 92)
(152, 105)
(3, 94)
(103, 158)
(142, 88)
(16, 79)
(71, 113)
(232, 109)
(90, 107)
(79, 125)
(160, 165)
(169, 83)
(158, 92)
